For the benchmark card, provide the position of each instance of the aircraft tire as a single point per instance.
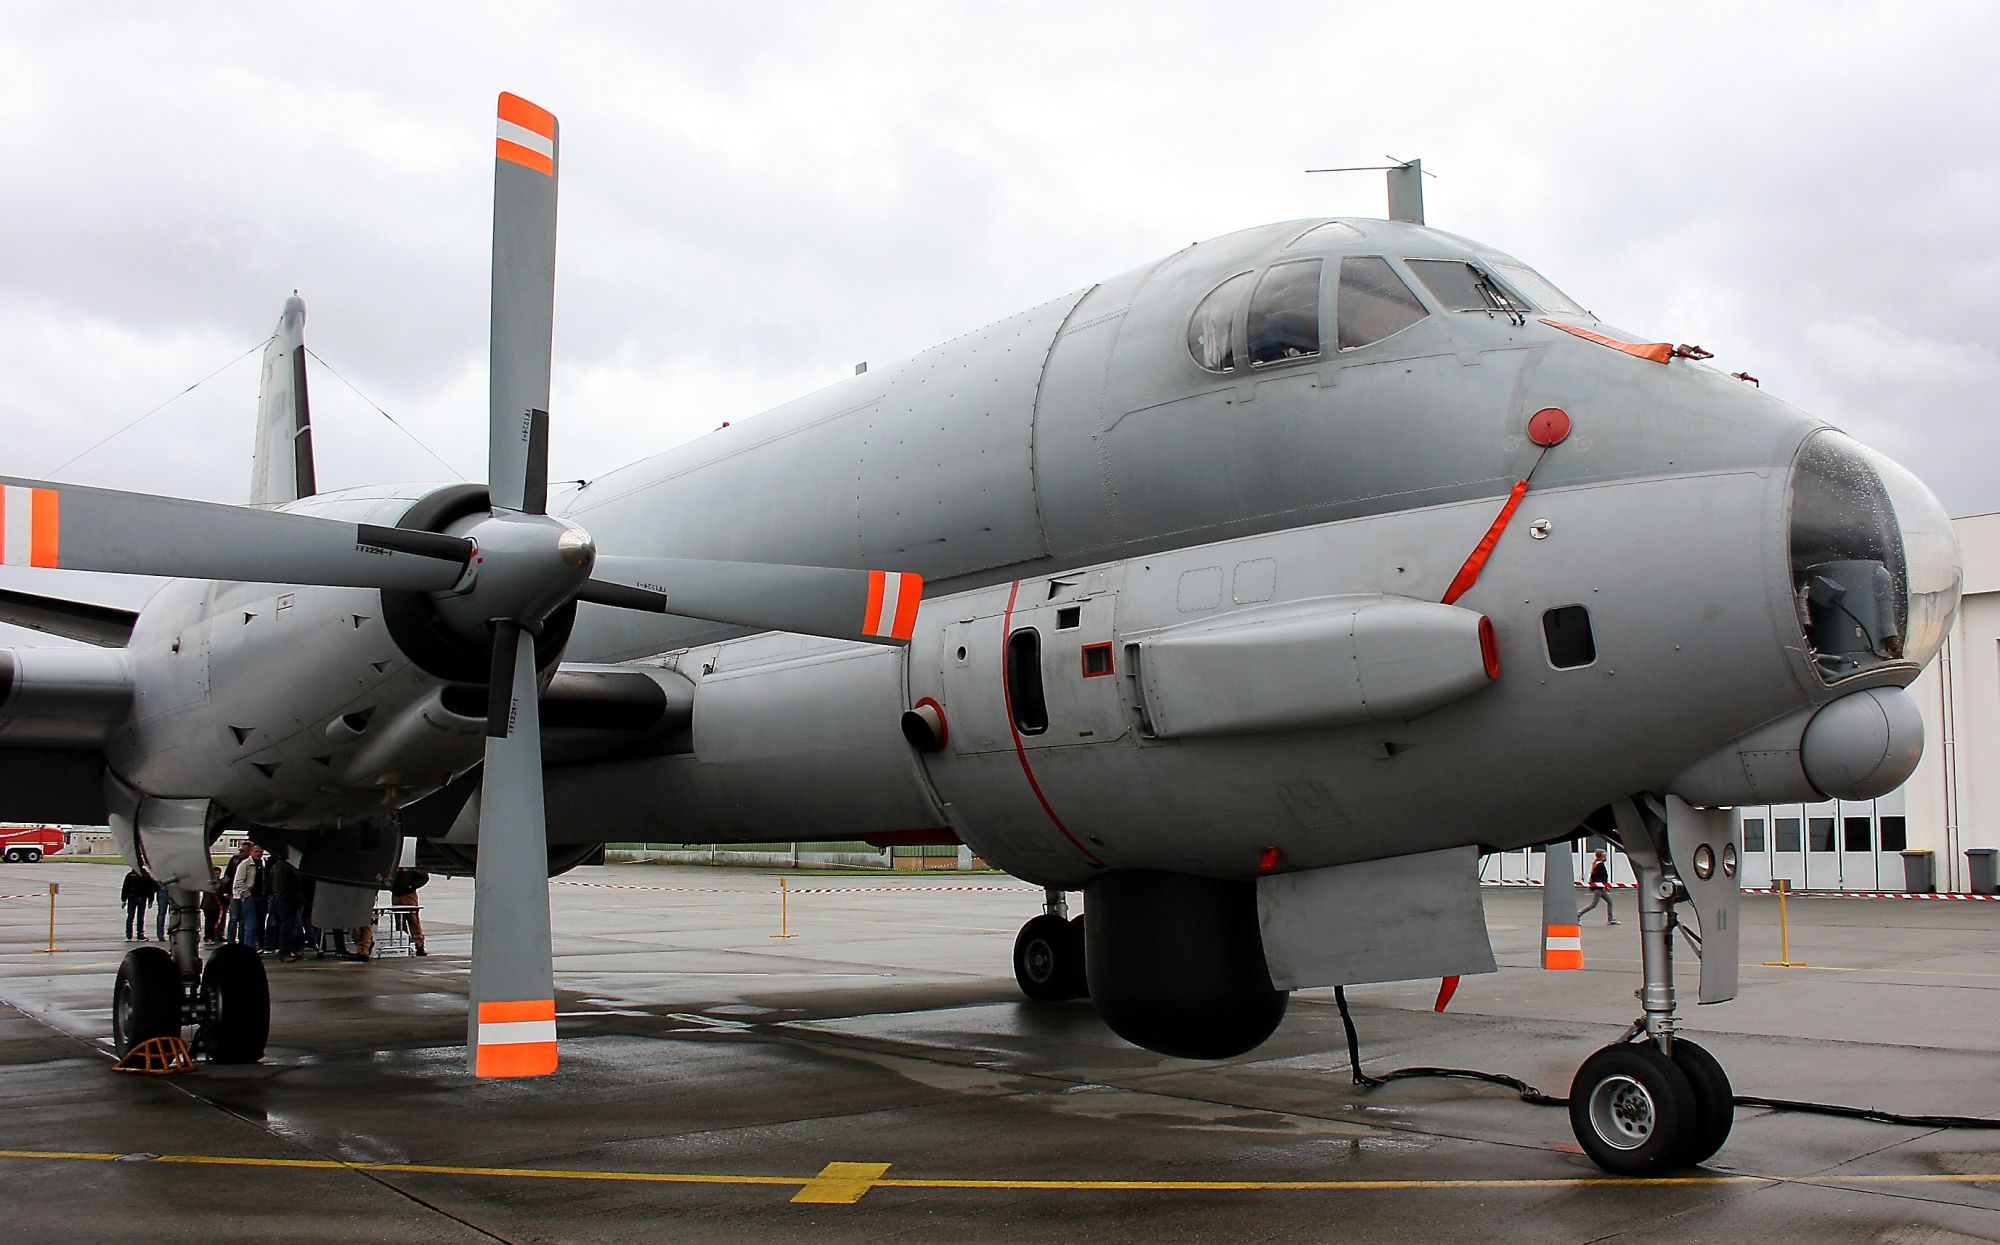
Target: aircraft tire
(1633, 1110)
(236, 1004)
(1714, 1101)
(146, 1001)
(1048, 959)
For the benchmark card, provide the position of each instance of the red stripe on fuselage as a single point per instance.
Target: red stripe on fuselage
(1007, 699)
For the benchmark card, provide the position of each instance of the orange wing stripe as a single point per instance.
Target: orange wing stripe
(907, 600)
(520, 1059)
(526, 115)
(47, 511)
(517, 154)
(529, 1009)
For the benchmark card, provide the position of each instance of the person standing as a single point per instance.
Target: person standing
(229, 871)
(287, 899)
(246, 898)
(161, 906)
(137, 892)
(212, 907)
(403, 887)
(1600, 889)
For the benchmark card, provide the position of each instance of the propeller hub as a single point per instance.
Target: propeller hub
(525, 568)
(576, 550)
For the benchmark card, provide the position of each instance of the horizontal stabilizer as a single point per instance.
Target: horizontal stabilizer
(103, 625)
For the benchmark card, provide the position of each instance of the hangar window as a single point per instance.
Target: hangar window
(1373, 302)
(1567, 630)
(1284, 313)
(1211, 334)
(1753, 834)
(1859, 834)
(1460, 286)
(1024, 682)
(1788, 834)
(1820, 831)
(1895, 837)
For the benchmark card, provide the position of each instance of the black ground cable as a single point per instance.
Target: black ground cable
(1541, 1098)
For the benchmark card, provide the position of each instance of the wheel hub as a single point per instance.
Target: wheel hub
(1622, 1111)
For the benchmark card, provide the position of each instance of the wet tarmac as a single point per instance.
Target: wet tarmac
(878, 1077)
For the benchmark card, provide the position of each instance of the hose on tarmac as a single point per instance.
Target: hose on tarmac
(1530, 1094)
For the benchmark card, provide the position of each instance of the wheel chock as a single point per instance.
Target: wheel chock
(156, 1056)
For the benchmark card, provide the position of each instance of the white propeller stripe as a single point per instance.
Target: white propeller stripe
(892, 591)
(19, 526)
(528, 138)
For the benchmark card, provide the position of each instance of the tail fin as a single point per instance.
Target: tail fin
(281, 470)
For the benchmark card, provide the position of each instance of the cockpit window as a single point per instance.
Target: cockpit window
(1539, 291)
(1210, 333)
(1373, 302)
(1284, 313)
(1466, 287)
(1332, 233)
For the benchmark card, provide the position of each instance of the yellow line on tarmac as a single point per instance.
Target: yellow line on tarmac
(846, 1183)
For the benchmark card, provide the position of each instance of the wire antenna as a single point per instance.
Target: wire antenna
(1406, 186)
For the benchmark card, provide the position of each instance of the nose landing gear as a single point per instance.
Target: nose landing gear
(1654, 1101)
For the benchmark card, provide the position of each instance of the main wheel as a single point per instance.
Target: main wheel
(1633, 1110)
(146, 1001)
(1048, 959)
(1714, 1101)
(236, 1006)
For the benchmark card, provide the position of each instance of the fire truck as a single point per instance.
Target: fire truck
(19, 844)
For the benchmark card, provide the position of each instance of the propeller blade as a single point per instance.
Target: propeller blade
(75, 528)
(524, 293)
(511, 1026)
(877, 606)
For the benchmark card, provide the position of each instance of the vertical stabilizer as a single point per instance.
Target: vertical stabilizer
(281, 469)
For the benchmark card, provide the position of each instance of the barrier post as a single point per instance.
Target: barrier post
(784, 910)
(1784, 886)
(52, 947)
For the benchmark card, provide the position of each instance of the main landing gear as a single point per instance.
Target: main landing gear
(1048, 953)
(227, 1000)
(1653, 1101)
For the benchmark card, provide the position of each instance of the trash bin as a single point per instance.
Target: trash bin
(1919, 871)
(1982, 865)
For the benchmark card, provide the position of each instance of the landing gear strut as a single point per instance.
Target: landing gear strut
(158, 994)
(1652, 1101)
(1048, 953)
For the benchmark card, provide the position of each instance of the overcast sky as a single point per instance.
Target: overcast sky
(756, 197)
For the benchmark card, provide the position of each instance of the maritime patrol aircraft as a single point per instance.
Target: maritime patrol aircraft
(1253, 593)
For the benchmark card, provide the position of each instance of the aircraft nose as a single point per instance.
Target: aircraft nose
(1875, 565)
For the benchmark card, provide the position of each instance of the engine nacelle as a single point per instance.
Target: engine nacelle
(1176, 963)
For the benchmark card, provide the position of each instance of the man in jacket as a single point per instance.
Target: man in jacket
(288, 899)
(137, 892)
(246, 900)
(1600, 890)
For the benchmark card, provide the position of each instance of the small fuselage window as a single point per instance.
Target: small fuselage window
(1461, 286)
(1373, 303)
(1284, 313)
(1211, 332)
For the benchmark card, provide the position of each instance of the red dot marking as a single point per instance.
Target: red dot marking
(1549, 426)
